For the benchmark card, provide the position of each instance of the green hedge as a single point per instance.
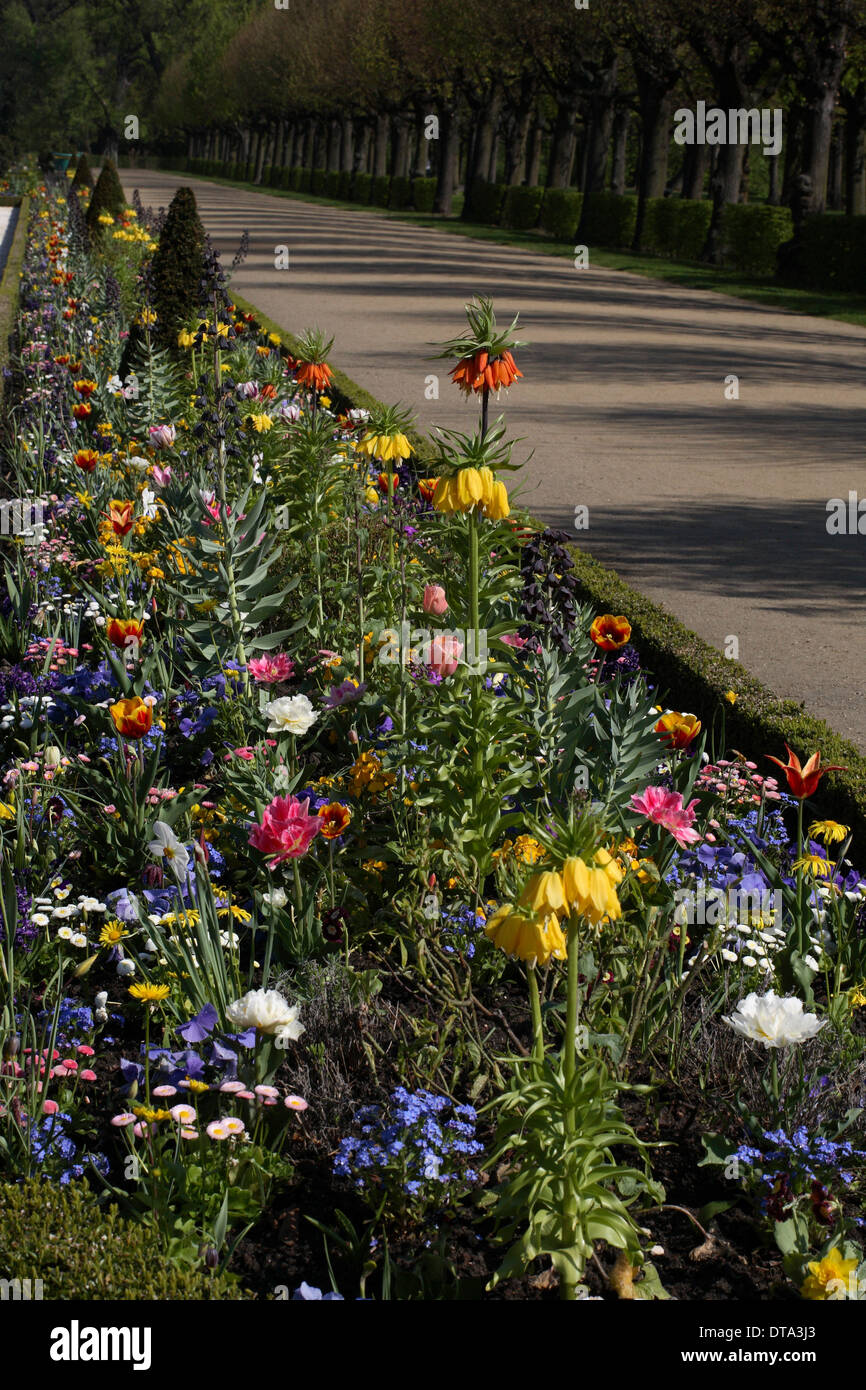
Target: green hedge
(400, 196)
(485, 202)
(560, 212)
(362, 187)
(286, 178)
(305, 180)
(695, 676)
(609, 219)
(752, 234)
(381, 190)
(423, 194)
(317, 181)
(521, 207)
(344, 185)
(676, 227)
(831, 254)
(10, 283)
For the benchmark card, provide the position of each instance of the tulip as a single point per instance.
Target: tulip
(132, 718)
(804, 780)
(445, 653)
(120, 514)
(435, 601)
(610, 633)
(119, 630)
(86, 459)
(678, 730)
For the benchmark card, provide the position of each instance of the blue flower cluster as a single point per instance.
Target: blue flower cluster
(74, 1019)
(49, 1140)
(424, 1139)
(800, 1155)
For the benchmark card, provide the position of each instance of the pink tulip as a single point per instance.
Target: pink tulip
(161, 476)
(267, 670)
(434, 600)
(445, 653)
(162, 436)
(666, 808)
(287, 829)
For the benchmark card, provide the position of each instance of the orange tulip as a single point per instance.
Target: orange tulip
(610, 633)
(86, 459)
(803, 780)
(335, 820)
(120, 514)
(427, 488)
(132, 717)
(82, 410)
(84, 387)
(678, 730)
(119, 629)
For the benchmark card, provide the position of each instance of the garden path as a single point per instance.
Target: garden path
(715, 507)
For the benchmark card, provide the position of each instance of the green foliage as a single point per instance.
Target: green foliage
(423, 194)
(831, 253)
(401, 193)
(676, 227)
(485, 202)
(331, 185)
(609, 220)
(753, 234)
(107, 197)
(285, 178)
(160, 385)
(344, 186)
(83, 176)
(178, 266)
(304, 183)
(521, 207)
(317, 181)
(380, 190)
(50, 1233)
(560, 212)
(563, 1188)
(362, 187)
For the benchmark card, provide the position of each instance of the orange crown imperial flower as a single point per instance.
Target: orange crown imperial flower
(132, 718)
(610, 633)
(803, 780)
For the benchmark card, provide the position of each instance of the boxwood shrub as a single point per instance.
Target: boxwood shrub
(380, 191)
(752, 234)
(521, 207)
(344, 185)
(317, 181)
(609, 219)
(485, 202)
(676, 227)
(400, 195)
(831, 254)
(423, 194)
(560, 212)
(305, 180)
(362, 187)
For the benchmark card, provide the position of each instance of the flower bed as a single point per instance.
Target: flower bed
(358, 897)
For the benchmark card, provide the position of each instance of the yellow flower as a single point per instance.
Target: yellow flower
(731, 696)
(814, 865)
(543, 893)
(147, 316)
(260, 423)
(277, 340)
(185, 339)
(7, 810)
(829, 1278)
(533, 937)
(830, 831)
(589, 891)
(106, 219)
(857, 997)
(149, 994)
(386, 446)
(196, 1086)
(112, 933)
(325, 401)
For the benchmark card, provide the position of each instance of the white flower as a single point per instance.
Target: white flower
(65, 934)
(773, 1020)
(268, 1011)
(165, 845)
(293, 714)
(812, 963)
(79, 939)
(276, 898)
(101, 999)
(729, 955)
(281, 777)
(40, 919)
(91, 905)
(63, 914)
(126, 967)
(749, 960)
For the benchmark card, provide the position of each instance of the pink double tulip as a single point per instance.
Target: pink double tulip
(287, 829)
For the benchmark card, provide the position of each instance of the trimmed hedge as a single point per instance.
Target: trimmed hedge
(485, 202)
(400, 196)
(560, 212)
(521, 207)
(676, 227)
(317, 181)
(344, 185)
(380, 190)
(10, 283)
(362, 187)
(305, 180)
(696, 675)
(752, 234)
(831, 254)
(609, 219)
(423, 194)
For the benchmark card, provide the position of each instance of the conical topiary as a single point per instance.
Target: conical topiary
(178, 268)
(83, 176)
(107, 197)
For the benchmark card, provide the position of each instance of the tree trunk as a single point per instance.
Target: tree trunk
(855, 152)
(823, 82)
(482, 139)
(534, 151)
(347, 145)
(773, 195)
(332, 145)
(655, 113)
(261, 147)
(400, 147)
(422, 146)
(562, 145)
(449, 144)
(621, 123)
(696, 161)
(380, 148)
(834, 176)
(493, 166)
(516, 143)
(602, 108)
(279, 156)
(792, 151)
(362, 147)
(725, 184)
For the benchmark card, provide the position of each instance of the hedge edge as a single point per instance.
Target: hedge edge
(759, 723)
(10, 284)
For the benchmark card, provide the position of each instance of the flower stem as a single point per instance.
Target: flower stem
(535, 1006)
(568, 1281)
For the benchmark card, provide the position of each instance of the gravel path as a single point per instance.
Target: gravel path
(716, 508)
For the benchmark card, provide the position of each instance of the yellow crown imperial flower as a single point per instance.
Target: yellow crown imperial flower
(533, 937)
(497, 509)
(589, 891)
(543, 893)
